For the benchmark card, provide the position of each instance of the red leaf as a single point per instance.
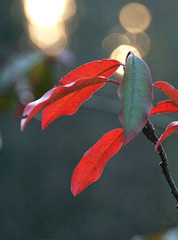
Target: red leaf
(171, 128)
(167, 106)
(105, 67)
(168, 89)
(57, 93)
(70, 104)
(94, 160)
(67, 105)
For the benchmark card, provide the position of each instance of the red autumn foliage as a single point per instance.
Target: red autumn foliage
(79, 85)
(167, 106)
(168, 89)
(60, 92)
(171, 128)
(70, 104)
(105, 67)
(91, 166)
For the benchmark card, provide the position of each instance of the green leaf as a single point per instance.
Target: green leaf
(136, 95)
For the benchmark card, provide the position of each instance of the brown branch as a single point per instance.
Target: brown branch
(150, 133)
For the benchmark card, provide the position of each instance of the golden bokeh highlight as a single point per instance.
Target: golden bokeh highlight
(46, 23)
(48, 12)
(143, 43)
(116, 29)
(135, 17)
(48, 38)
(113, 40)
(120, 54)
(132, 37)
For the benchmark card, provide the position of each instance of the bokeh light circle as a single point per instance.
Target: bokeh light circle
(135, 17)
(143, 43)
(113, 40)
(44, 12)
(49, 39)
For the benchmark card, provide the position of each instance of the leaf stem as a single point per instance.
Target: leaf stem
(149, 132)
(114, 81)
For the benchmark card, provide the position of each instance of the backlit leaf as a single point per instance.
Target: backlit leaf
(58, 92)
(70, 104)
(135, 93)
(94, 160)
(67, 105)
(167, 106)
(171, 128)
(105, 67)
(168, 89)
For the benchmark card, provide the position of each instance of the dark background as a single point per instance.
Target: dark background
(132, 196)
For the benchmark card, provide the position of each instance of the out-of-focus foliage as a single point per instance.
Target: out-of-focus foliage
(25, 78)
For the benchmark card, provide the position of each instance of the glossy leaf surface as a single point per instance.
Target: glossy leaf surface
(70, 104)
(58, 92)
(94, 160)
(171, 128)
(105, 67)
(167, 106)
(135, 93)
(67, 105)
(168, 89)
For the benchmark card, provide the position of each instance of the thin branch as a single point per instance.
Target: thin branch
(150, 133)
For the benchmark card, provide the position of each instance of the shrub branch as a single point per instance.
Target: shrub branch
(149, 132)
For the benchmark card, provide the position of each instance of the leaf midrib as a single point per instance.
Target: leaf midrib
(101, 157)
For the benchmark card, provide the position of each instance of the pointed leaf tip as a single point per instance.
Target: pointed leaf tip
(136, 95)
(94, 160)
(167, 89)
(61, 93)
(171, 128)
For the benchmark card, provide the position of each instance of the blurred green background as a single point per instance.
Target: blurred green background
(40, 42)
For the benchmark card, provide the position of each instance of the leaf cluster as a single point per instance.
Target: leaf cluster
(135, 92)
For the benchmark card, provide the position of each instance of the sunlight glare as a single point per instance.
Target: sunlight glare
(48, 37)
(44, 12)
(46, 23)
